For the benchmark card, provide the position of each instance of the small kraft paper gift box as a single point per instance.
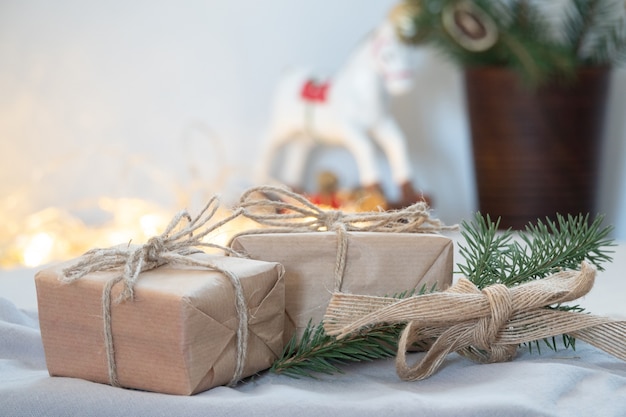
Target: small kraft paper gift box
(177, 336)
(326, 251)
(162, 317)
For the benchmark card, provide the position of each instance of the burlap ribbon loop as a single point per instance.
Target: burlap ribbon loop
(485, 326)
(284, 211)
(181, 238)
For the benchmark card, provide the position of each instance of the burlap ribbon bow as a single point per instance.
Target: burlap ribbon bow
(284, 211)
(181, 239)
(485, 326)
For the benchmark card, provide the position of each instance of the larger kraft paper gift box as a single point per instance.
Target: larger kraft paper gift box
(376, 264)
(178, 334)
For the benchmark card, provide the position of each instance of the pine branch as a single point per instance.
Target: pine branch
(319, 353)
(492, 256)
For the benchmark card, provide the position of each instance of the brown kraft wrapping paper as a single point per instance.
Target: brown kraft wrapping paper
(178, 334)
(376, 264)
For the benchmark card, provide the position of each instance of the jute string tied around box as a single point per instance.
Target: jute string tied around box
(285, 211)
(181, 239)
(485, 326)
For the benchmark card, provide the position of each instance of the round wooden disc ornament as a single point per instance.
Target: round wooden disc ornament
(469, 26)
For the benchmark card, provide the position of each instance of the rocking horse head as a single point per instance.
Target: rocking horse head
(393, 59)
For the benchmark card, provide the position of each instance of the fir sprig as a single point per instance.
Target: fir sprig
(318, 353)
(315, 352)
(493, 256)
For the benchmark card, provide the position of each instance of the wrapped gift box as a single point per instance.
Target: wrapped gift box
(178, 334)
(377, 264)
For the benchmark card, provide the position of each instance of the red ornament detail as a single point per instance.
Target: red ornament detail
(315, 92)
(325, 200)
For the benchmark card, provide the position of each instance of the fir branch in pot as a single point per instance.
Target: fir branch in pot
(538, 39)
(536, 77)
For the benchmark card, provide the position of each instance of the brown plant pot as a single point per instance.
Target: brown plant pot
(535, 151)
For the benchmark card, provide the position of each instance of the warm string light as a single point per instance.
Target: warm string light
(54, 235)
(30, 238)
(38, 249)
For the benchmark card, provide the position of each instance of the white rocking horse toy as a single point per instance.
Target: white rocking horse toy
(346, 110)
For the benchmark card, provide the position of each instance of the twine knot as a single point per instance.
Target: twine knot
(333, 220)
(181, 238)
(153, 249)
(485, 326)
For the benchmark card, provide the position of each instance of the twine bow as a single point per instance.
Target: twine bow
(181, 239)
(284, 211)
(485, 326)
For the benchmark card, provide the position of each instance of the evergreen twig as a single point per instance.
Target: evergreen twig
(543, 248)
(315, 352)
(319, 353)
